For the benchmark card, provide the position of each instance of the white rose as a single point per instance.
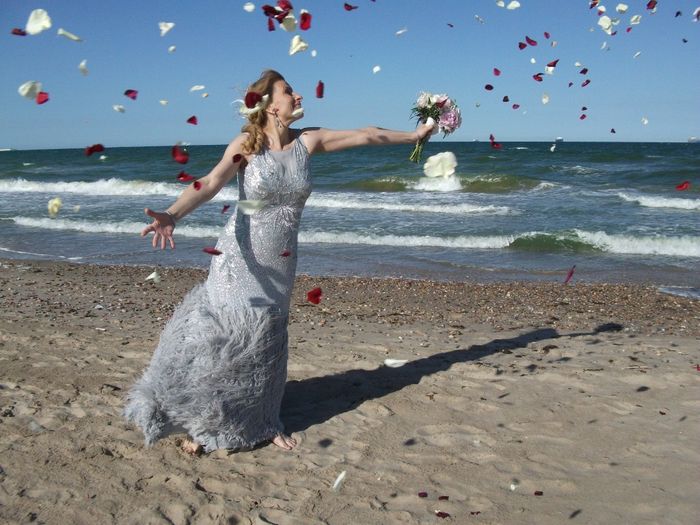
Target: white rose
(423, 100)
(440, 165)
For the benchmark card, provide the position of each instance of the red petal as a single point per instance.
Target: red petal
(516, 106)
(197, 185)
(594, 3)
(192, 120)
(612, 130)
(211, 250)
(530, 41)
(697, 367)
(19, 32)
(496, 145)
(584, 71)
(582, 117)
(285, 253)
(349, 7)
(553, 63)
(305, 21)
(441, 514)
(180, 155)
(538, 77)
(184, 177)
(628, 29)
(570, 274)
(546, 34)
(95, 148)
(131, 93)
(319, 89)
(422, 494)
(522, 45)
(269, 10)
(270, 24)
(506, 99)
(488, 87)
(314, 296)
(586, 82)
(443, 498)
(496, 71)
(284, 5)
(492, 138)
(651, 4)
(683, 186)
(42, 97)
(237, 158)
(225, 208)
(539, 493)
(252, 98)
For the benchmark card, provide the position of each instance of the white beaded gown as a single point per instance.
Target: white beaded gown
(220, 367)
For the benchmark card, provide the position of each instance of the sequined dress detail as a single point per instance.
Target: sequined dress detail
(220, 367)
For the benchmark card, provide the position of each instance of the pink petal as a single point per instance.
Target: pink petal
(184, 177)
(586, 82)
(211, 250)
(570, 274)
(192, 120)
(516, 106)
(530, 41)
(683, 186)
(496, 71)
(422, 494)
(131, 93)
(537, 77)
(95, 148)
(522, 45)
(546, 34)
(179, 155)
(42, 97)
(582, 117)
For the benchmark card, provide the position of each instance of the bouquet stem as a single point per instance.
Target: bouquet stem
(418, 150)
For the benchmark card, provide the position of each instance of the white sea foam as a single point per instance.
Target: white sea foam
(685, 246)
(451, 183)
(342, 201)
(580, 170)
(662, 202)
(129, 227)
(49, 255)
(462, 241)
(546, 186)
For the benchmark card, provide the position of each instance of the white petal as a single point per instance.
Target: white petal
(54, 206)
(548, 70)
(118, 108)
(554, 43)
(395, 363)
(602, 9)
(249, 7)
(68, 35)
(645, 121)
(637, 54)
(401, 31)
(479, 19)
(533, 61)
(197, 87)
(250, 207)
(545, 98)
(603, 45)
(577, 64)
(500, 3)
(163, 102)
(165, 27)
(155, 276)
(552, 148)
(39, 20)
(339, 480)
(376, 69)
(76, 208)
(289, 23)
(297, 45)
(205, 95)
(696, 14)
(83, 67)
(635, 20)
(440, 165)
(30, 89)
(314, 53)
(513, 5)
(171, 49)
(103, 157)
(605, 24)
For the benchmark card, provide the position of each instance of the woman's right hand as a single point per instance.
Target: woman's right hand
(162, 228)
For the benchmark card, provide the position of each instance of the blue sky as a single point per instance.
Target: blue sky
(221, 46)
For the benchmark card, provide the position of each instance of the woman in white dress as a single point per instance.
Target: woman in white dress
(220, 367)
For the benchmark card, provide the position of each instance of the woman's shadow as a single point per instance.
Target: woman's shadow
(315, 400)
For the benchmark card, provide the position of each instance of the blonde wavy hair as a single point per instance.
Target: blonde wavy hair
(256, 122)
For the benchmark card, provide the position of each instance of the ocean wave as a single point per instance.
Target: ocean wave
(493, 183)
(342, 202)
(578, 169)
(685, 246)
(451, 183)
(35, 254)
(462, 241)
(662, 202)
(128, 227)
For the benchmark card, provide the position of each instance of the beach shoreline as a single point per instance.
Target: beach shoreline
(584, 392)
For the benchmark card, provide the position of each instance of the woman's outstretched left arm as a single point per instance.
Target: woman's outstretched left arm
(321, 140)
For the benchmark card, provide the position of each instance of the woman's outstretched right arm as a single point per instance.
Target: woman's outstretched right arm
(164, 222)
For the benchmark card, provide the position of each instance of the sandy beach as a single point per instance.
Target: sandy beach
(519, 403)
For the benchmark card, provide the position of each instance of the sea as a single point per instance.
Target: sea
(528, 212)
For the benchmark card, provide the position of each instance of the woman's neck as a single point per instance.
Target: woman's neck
(276, 137)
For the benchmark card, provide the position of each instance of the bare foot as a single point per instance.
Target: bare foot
(191, 447)
(284, 441)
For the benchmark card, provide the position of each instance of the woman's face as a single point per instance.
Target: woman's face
(285, 102)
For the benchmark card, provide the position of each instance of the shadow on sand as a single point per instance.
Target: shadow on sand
(312, 401)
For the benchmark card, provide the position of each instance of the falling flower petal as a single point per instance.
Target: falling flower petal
(496, 71)
(478, 19)
(568, 278)
(118, 108)
(192, 120)
(285, 253)
(582, 117)
(30, 89)
(500, 3)
(635, 20)
(401, 31)
(488, 87)
(546, 35)
(165, 27)
(180, 156)
(553, 63)
(530, 41)
(42, 97)
(211, 250)
(163, 102)
(586, 82)
(349, 7)
(584, 71)
(605, 23)
(225, 208)
(289, 23)
(18, 32)
(319, 89)
(376, 69)
(683, 185)
(39, 20)
(131, 93)
(533, 61)
(651, 4)
(68, 35)
(155, 277)
(537, 77)
(237, 158)
(622, 8)
(554, 43)
(83, 67)
(197, 87)
(636, 54)
(506, 98)
(54, 206)
(395, 363)
(339, 480)
(314, 296)
(514, 4)
(584, 108)
(249, 7)
(552, 148)
(171, 49)
(440, 165)
(304, 20)
(545, 98)
(612, 130)
(95, 148)
(197, 185)
(522, 45)
(422, 494)
(297, 45)
(645, 121)
(249, 207)
(516, 106)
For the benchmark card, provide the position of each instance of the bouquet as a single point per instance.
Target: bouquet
(431, 109)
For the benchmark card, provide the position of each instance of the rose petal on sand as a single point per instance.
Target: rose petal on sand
(30, 89)
(211, 250)
(155, 277)
(488, 87)
(441, 514)
(539, 493)
(319, 89)
(83, 67)
(95, 148)
(249, 207)
(349, 7)
(443, 498)
(68, 35)
(192, 120)
(514, 4)
(42, 97)
(18, 32)
(118, 108)
(183, 176)
(304, 20)
(496, 72)
(314, 296)
(422, 494)
(54, 206)
(376, 69)
(339, 480)
(197, 185)
(249, 7)
(570, 274)
(165, 27)
(39, 20)
(131, 93)
(440, 165)
(197, 87)
(530, 41)
(297, 45)
(545, 98)
(180, 155)
(395, 363)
